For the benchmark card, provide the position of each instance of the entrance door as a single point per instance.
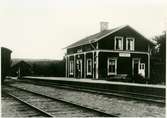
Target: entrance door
(79, 68)
(135, 66)
(142, 69)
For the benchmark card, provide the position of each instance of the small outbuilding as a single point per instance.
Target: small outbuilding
(5, 62)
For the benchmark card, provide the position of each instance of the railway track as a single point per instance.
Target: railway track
(52, 107)
(123, 94)
(14, 107)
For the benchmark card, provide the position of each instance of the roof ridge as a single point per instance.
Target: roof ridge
(105, 32)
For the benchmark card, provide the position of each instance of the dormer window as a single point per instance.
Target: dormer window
(118, 43)
(130, 44)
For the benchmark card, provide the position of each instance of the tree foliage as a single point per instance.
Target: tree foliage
(158, 60)
(159, 50)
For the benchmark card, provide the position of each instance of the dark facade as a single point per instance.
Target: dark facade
(5, 62)
(119, 52)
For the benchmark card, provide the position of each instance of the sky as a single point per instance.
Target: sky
(43, 28)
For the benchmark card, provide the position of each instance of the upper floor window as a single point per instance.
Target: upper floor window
(130, 43)
(118, 43)
(71, 67)
(89, 66)
(112, 66)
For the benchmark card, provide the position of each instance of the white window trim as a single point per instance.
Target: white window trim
(111, 73)
(121, 43)
(89, 73)
(71, 67)
(133, 45)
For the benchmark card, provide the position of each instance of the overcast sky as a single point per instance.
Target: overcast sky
(42, 28)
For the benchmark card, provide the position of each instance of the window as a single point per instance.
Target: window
(118, 43)
(112, 66)
(71, 67)
(142, 66)
(130, 43)
(89, 66)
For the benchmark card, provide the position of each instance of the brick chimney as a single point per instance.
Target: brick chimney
(103, 26)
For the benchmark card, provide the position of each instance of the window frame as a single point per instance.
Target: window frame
(115, 39)
(71, 67)
(142, 66)
(133, 44)
(87, 66)
(111, 73)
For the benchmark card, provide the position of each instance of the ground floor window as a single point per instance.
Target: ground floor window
(112, 66)
(71, 67)
(89, 66)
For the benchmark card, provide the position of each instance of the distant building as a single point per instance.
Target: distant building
(117, 52)
(21, 68)
(37, 67)
(5, 62)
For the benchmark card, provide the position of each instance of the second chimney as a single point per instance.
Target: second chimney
(103, 26)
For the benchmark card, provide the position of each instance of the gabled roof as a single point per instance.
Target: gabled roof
(100, 35)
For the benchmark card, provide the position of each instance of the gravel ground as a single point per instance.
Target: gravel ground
(113, 105)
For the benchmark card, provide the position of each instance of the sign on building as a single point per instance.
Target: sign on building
(124, 54)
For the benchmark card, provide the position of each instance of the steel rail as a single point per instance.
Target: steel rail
(67, 102)
(30, 105)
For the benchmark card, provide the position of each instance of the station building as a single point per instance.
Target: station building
(118, 52)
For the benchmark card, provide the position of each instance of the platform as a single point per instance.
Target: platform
(97, 81)
(145, 89)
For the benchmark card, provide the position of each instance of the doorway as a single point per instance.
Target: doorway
(142, 69)
(135, 66)
(79, 68)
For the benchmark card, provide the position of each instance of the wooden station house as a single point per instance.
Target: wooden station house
(120, 52)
